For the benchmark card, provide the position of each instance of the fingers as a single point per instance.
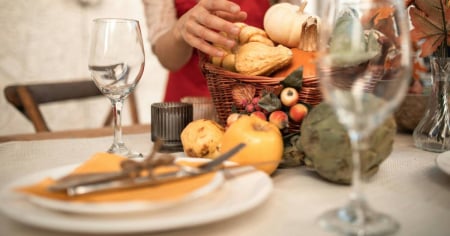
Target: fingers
(220, 5)
(241, 16)
(219, 15)
(206, 47)
(201, 25)
(202, 38)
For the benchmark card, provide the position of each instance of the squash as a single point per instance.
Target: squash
(254, 54)
(289, 25)
(300, 58)
(255, 58)
(201, 138)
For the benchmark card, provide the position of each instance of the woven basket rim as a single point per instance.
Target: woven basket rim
(206, 64)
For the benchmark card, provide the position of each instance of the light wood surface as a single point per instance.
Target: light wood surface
(82, 133)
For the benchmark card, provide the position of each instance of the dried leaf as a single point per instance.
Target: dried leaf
(242, 94)
(386, 26)
(422, 25)
(433, 10)
(429, 19)
(375, 15)
(431, 45)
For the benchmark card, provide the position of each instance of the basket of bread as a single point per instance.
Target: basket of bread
(271, 72)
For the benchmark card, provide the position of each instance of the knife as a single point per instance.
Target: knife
(93, 182)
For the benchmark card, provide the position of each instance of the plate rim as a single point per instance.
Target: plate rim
(101, 227)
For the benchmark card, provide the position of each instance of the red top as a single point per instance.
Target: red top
(189, 81)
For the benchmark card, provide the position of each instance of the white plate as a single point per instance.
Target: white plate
(443, 162)
(235, 196)
(114, 207)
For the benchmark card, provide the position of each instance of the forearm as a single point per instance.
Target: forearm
(172, 51)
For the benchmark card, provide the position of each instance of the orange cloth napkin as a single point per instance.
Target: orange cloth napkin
(102, 162)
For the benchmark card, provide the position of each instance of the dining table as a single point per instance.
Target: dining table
(408, 186)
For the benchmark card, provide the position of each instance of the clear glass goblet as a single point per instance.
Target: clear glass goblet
(116, 62)
(364, 67)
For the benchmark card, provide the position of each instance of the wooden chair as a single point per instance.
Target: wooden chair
(27, 97)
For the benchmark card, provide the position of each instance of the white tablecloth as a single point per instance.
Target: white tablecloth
(408, 186)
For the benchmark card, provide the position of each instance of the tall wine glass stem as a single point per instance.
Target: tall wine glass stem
(117, 119)
(118, 146)
(359, 144)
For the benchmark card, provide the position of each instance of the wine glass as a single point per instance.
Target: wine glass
(116, 62)
(364, 68)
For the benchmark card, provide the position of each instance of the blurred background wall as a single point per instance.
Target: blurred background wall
(48, 40)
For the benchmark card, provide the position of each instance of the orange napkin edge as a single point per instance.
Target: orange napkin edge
(104, 162)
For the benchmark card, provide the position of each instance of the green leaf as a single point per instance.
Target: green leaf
(270, 102)
(294, 79)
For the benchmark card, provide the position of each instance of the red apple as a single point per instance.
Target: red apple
(289, 96)
(279, 119)
(297, 112)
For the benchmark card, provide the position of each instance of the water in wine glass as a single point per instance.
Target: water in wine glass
(116, 62)
(112, 80)
(364, 68)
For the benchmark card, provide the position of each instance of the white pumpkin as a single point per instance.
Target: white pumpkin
(284, 23)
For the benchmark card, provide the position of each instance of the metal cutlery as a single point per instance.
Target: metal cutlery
(78, 184)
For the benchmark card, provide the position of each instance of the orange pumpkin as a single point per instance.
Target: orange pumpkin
(300, 58)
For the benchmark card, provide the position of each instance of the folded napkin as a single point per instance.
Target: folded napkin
(104, 162)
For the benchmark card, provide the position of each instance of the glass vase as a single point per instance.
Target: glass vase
(433, 131)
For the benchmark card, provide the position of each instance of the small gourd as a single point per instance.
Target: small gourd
(289, 25)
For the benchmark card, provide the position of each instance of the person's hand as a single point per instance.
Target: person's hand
(200, 26)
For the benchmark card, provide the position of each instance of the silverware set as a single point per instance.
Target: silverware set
(132, 173)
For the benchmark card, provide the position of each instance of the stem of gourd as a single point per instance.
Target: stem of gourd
(302, 6)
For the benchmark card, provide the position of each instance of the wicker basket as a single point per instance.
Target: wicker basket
(220, 83)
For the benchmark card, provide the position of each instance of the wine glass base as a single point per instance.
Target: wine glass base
(122, 150)
(350, 221)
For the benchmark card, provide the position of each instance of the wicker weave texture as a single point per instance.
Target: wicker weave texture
(220, 84)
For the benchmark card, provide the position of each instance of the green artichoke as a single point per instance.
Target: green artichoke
(327, 148)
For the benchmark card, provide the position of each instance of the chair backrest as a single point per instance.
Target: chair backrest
(27, 97)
